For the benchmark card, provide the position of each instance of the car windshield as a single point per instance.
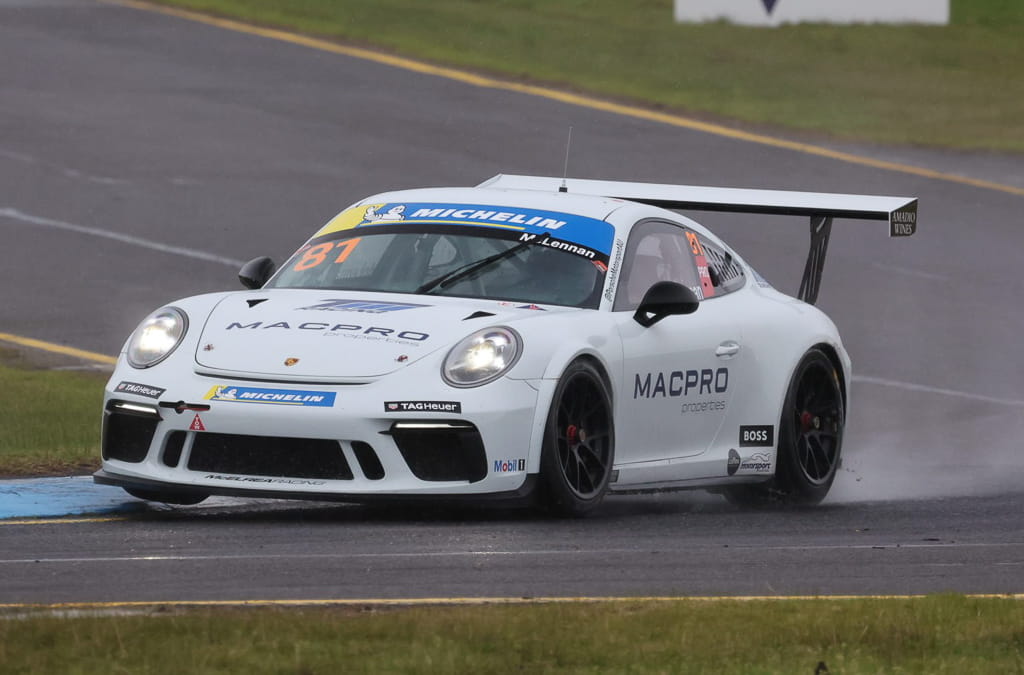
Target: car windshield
(464, 261)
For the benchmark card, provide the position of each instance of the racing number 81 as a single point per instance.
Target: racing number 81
(318, 254)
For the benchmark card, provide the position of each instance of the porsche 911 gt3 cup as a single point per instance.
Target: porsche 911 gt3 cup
(529, 338)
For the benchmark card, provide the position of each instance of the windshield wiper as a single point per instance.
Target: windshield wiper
(460, 273)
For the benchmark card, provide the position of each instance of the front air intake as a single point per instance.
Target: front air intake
(128, 431)
(441, 451)
(269, 456)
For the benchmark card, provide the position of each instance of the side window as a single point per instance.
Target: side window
(724, 275)
(656, 251)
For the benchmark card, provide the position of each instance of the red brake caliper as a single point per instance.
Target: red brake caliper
(572, 434)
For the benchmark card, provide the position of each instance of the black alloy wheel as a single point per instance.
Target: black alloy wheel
(810, 439)
(576, 460)
(816, 424)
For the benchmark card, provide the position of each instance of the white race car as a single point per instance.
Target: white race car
(528, 338)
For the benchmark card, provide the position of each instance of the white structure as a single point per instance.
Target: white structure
(778, 12)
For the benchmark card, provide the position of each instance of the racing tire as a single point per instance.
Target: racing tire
(579, 443)
(810, 439)
(168, 496)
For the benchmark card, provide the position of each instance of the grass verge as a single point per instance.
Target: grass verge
(938, 634)
(50, 419)
(956, 86)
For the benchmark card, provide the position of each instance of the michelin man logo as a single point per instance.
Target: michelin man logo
(223, 393)
(394, 213)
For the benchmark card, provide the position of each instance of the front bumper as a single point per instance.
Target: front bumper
(358, 448)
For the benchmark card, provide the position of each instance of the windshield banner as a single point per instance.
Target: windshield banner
(544, 226)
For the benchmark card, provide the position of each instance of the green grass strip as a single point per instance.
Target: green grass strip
(938, 634)
(50, 419)
(956, 86)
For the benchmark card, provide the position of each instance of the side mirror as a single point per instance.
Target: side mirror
(256, 272)
(665, 298)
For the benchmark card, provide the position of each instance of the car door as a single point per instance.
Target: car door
(679, 375)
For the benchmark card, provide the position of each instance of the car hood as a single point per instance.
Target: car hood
(303, 334)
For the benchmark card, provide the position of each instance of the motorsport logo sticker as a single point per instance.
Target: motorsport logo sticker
(233, 394)
(423, 406)
(139, 389)
(759, 462)
(364, 306)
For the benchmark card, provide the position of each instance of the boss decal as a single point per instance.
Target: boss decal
(323, 399)
(423, 406)
(509, 465)
(139, 389)
(757, 436)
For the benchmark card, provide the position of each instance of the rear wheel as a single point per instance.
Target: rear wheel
(810, 439)
(168, 496)
(579, 440)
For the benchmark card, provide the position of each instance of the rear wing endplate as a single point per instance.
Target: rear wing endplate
(821, 207)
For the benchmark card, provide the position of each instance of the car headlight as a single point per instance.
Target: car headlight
(483, 356)
(156, 337)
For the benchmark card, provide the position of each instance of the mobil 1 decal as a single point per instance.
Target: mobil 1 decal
(757, 436)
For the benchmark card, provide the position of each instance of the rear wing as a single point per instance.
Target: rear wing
(899, 212)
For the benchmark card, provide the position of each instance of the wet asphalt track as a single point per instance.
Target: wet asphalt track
(142, 156)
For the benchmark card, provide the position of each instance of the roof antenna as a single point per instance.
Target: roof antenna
(565, 171)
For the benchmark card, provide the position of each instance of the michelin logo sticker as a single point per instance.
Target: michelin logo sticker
(321, 399)
(394, 213)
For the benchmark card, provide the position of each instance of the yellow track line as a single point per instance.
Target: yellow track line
(62, 521)
(593, 103)
(413, 602)
(58, 349)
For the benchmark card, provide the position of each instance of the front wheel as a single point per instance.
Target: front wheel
(579, 442)
(810, 439)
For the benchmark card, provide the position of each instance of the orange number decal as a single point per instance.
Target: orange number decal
(694, 244)
(346, 248)
(313, 257)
